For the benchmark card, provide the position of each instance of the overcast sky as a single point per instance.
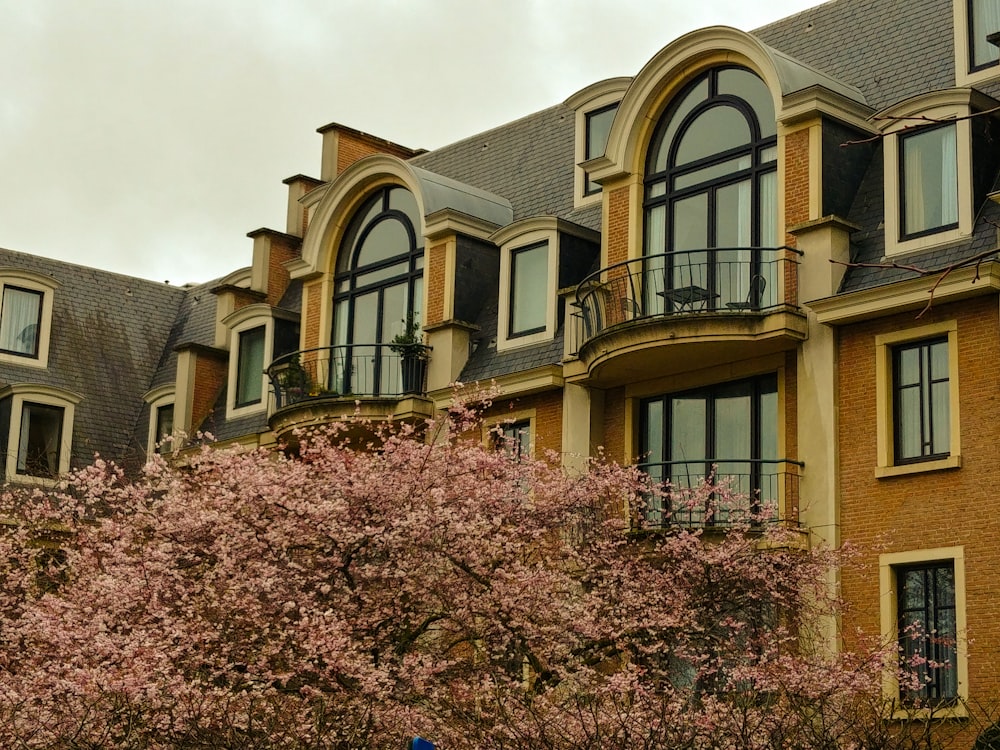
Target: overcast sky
(149, 136)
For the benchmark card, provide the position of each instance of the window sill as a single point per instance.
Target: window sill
(956, 711)
(942, 464)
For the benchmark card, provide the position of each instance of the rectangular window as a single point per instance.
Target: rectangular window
(515, 439)
(250, 367)
(20, 321)
(984, 19)
(928, 632)
(39, 440)
(529, 286)
(921, 401)
(164, 428)
(928, 174)
(598, 128)
(730, 429)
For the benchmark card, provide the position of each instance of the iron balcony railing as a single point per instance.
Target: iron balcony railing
(725, 280)
(759, 492)
(349, 371)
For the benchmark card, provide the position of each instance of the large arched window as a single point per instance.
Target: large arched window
(711, 197)
(378, 290)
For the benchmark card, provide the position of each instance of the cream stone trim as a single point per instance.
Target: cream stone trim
(49, 396)
(964, 76)
(526, 383)
(47, 286)
(246, 319)
(156, 399)
(906, 296)
(594, 97)
(520, 236)
(885, 418)
(448, 222)
(888, 615)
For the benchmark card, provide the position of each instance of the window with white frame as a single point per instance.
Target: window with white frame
(161, 419)
(928, 175)
(20, 321)
(529, 283)
(25, 316)
(917, 399)
(598, 127)
(39, 434)
(250, 367)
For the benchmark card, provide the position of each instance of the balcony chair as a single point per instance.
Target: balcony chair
(754, 297)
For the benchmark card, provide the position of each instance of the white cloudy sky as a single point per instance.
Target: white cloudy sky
(149, 136)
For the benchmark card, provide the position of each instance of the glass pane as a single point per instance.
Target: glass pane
(690, 223)
(654, 433)
(38, 446)
(598, 128)
(752, 90)
(653, 270)
(984, 20)
(372, 277)
(661, 148)
(732, 437)
(365, 319)
(401, 199)
(688, 449)
(250, 367)
(939, 360)
(914, 593)
(940, 422)
(529, 288)
(387, 239)
(768, 208)
(930, 179)
(362, 219)
(715, 130)
(712, 172)
(393, 324)
(908, 366)
(20, 320)
(908, 423)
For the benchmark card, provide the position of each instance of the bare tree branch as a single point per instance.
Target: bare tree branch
(920, 121)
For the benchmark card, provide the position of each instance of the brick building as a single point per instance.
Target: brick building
(686, 268)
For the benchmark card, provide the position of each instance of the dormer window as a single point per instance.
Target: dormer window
(598, 123)
(26, 300)
(20, 321)
(928, 167)
(529, 282)
(595, 108)
(250, 366)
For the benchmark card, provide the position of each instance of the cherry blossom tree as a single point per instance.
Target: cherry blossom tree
(347, 598)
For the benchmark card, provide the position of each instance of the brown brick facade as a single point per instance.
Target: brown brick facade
(353, 146)
(547, 426)
(930, 509)
(796, 180)
(617, 227)
(435, 279)
(209, 378)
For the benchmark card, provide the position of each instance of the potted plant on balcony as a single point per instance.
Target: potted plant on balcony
(412, 353)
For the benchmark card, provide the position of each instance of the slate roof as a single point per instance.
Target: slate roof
(108, 333)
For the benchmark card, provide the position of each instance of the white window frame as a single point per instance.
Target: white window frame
(888, 615)
(504, 338)
(590, 99)
(936, 109)
(46, 286)
(885, 343)
(246, 319)
(157, 399)
(33, 393)
(964, 76)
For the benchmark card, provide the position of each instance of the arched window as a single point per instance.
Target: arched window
(711, 196)
(379, 288)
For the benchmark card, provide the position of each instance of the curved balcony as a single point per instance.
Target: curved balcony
(370, 381)
(687, 309)
(766, 492)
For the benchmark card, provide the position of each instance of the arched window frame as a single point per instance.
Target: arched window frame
(350, 282)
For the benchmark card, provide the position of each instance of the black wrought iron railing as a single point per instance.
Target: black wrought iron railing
(729, 280)
(348, 371)
(750, 492)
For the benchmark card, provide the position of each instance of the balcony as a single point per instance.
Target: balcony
(766, 492)
(376, 382)
(671, 312)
